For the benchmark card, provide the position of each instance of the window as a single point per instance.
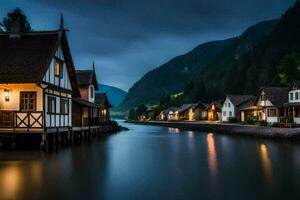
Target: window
(272, 112)
(296, 95)
(27, 101)
(92, 91)
(224, 104)
(64, 106)
(263, 97)
(51, 105)
(230, 113)
(58, 68)
(291, 96)
(224, 113)
(228, 105)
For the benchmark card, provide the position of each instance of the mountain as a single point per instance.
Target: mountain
(266, 53)
(114, 94)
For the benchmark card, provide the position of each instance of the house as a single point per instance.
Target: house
(186, 112)
(85, 107)
(292, 107)
(233, 104)
(104, 108)
(37, 82)
(268, 104)
(200, 112)
(168, 114)
(213, 111)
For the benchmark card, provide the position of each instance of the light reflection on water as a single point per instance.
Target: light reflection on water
(266, 162)
(150, 163)
(212, 154)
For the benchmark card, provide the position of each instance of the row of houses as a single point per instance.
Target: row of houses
(270, 105)
(41, 92)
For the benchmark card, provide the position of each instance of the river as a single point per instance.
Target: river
(151, 162)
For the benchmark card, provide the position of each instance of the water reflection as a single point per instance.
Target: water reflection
(10, 181)
(174, 130)
(212, 154)
(266, 162)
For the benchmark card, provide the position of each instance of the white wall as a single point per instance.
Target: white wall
(297, 120)
(49, 77)
(227, 107)
(91, 99)
(263, 103)
(272, 119)
(294, 100)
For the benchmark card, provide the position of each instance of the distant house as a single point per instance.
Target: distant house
(293, 104)
(85, 106)
(214, 110)
(268, 105)
(103, 107)
(169, 114)
(200, 112)
(233, 104)
(186, 112)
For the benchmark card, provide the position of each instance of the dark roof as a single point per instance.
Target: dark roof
(185, 107)
(102, 100)
(294, 83)
(217, 103)
(87, 77)
(84, 102)
(26, 59)
(238, 99)
(277, 95)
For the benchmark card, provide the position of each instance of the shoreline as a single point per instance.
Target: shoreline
(231, 129)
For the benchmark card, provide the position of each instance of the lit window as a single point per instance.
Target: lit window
(58, 68)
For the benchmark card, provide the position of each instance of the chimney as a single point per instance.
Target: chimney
(16, 27)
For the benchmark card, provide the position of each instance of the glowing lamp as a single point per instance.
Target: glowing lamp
(6, 95)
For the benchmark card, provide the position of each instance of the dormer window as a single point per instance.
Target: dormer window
(58, 71)
(296, 96)
(291, 96)
(92, 91)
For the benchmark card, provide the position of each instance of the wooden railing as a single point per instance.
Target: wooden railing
(17, 119)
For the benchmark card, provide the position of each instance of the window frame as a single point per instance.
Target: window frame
(92, 92)
(62, 103)
(49, 97)
(60, 62)
(34, 101)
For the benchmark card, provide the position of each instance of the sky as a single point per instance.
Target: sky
(127, 38)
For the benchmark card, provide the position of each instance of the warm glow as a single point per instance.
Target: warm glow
(213, 107)
(6, 94)
(212, 154)
(10, 181)
(57, 68)
(266, 162)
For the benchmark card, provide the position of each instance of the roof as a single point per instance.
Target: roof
(217, 103)
(236, 100)
(31, 54)
(276, 95)
(85, 102)
(173, 109)
(87, 77)
(185, 107)
(294, 83)
(102, 100)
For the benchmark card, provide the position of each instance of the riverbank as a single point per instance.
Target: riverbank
(228, 128)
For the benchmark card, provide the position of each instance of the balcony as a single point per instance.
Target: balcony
(20, 121)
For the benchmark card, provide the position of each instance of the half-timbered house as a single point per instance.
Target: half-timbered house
(37, 81)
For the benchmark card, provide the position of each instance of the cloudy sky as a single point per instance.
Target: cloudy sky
(127, 38)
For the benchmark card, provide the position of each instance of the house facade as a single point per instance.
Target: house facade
(268, 105)
(214, 111)
(233, 104)
(104, 108)
(37, 81)
(292, 107)
(186, 112)
(200, 112)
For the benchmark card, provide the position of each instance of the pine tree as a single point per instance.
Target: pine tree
(16, 13)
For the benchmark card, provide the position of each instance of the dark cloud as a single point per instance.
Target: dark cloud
(128, 38)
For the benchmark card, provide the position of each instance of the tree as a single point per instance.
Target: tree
(141, 109)
(132, 114)
(16, 13)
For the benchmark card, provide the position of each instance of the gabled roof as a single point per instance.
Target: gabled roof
(217, 103)
(276, 95)
(27, 58)
(236, 100)
(87, 77)
(294, 83)
(102, 100)
(173, 109)
(185, 107)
